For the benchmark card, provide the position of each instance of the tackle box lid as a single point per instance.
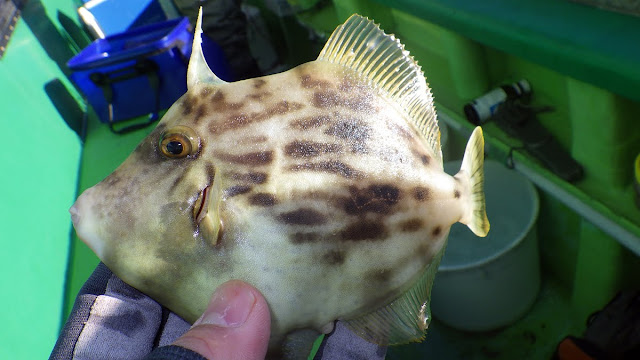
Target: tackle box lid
(140, 42)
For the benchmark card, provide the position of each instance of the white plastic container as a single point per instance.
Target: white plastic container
(487, 283)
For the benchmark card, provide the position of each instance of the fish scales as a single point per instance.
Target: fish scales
(293, 182)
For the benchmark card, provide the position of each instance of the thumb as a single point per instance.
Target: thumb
(236, 325)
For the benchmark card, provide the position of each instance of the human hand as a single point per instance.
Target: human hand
(236, 325)
(112, 320)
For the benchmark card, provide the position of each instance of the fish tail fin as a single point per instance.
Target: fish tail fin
(472, 173)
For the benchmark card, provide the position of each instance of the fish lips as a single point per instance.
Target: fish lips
(85, 226)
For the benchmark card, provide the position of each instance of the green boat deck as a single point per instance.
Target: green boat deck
(583, 61)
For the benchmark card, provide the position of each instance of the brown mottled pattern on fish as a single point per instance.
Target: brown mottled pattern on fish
(336, 149)
(322, 186)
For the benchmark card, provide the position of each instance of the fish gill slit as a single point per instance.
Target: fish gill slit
(202, 205)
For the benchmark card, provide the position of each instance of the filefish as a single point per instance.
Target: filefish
(322, 186)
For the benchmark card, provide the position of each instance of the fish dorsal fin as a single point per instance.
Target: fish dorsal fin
(362, 46)
(404, 319)
(198, 71)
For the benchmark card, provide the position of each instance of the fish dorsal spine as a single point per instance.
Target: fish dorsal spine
(198, 71)
(360, 45)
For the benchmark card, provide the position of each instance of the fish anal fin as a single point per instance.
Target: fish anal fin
(359, 44)
(404, 319)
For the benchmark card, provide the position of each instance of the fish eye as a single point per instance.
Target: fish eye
(179, 142)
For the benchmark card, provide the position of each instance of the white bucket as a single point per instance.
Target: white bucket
(486, 283)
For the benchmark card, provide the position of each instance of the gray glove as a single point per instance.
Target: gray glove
(112, 320)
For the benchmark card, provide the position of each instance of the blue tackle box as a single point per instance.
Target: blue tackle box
(134, 73)
(109, 17)
(141, 71)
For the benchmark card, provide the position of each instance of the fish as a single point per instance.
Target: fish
(322, 186)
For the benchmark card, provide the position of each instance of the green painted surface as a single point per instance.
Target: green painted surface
(377, 11)
(607, 147)
(40, 157)
(583, 42)
(598, 272)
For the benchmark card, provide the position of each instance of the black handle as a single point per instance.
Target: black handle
(104, 81)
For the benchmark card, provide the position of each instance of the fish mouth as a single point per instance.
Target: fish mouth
(201, 206)
(75, 215)
(86, 225)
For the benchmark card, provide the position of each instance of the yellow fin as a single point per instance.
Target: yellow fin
(403, 320)
(472, 170)
(362, 46)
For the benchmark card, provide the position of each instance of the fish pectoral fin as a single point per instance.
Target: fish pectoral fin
(211, 229)
(206, 212)
(404, 319)
(472, 173)
(360, 45)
